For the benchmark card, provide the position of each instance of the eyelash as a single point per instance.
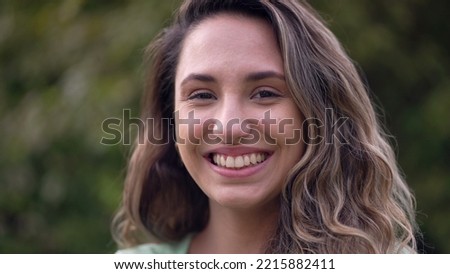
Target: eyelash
(271, 94)
(197, 95)
(259, 95)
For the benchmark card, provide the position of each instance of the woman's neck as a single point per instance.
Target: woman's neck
(231, 231)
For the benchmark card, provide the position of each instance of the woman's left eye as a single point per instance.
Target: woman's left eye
(265, 93)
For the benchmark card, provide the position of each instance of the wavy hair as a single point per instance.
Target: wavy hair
(345, 195)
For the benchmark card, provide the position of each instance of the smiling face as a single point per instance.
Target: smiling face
(235, 113)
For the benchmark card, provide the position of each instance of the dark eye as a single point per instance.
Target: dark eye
(265, 93)
(201, 95)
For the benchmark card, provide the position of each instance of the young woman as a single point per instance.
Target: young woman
(262, 139)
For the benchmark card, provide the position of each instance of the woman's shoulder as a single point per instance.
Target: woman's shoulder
(180, 247)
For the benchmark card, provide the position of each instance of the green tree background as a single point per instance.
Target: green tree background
(65, 66)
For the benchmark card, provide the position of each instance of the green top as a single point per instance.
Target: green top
(160, 248)
(182, 247)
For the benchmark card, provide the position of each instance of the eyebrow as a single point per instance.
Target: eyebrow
(260, 75)
(198, 77)
(252, 77)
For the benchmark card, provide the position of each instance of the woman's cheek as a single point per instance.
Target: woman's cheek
(188, 128)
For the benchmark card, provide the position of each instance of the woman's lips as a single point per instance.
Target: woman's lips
(239, 161)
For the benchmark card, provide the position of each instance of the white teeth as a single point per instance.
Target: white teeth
(246, 160)
(238, 161)
(258, 158)
(253, 159)
(230, 162)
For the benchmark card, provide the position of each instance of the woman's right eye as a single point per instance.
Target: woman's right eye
(201, 95)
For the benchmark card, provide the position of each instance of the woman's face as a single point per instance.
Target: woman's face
(238, 129)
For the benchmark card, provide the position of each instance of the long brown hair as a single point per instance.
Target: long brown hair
(346, 195)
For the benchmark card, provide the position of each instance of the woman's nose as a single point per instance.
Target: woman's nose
(232, 122)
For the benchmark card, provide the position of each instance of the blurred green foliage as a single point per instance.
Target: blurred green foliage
(65, 66)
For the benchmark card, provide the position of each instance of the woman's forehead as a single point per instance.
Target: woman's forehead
(230, 42)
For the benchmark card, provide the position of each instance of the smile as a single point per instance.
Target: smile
(238, 162)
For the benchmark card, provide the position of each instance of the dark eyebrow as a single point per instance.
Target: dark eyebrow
(198, 77)
(256, 76)
(253, 77)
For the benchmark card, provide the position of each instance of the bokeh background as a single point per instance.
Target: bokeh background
(65, 66)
